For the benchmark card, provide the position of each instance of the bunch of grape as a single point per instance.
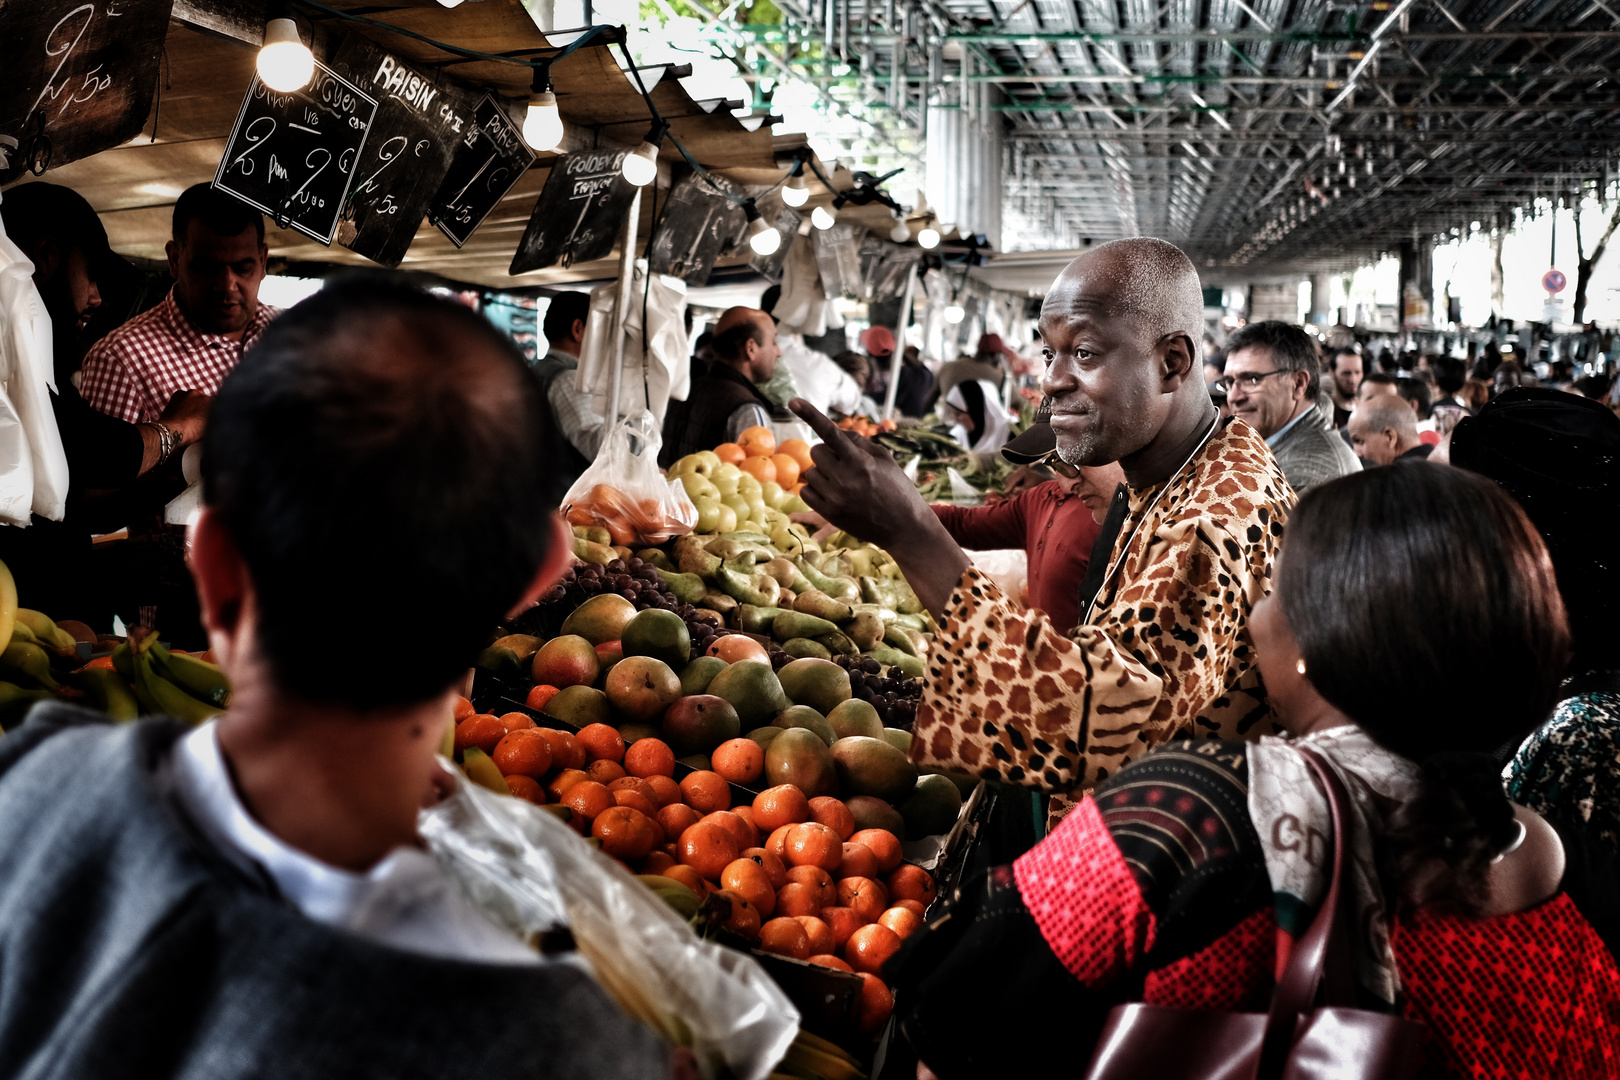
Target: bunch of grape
(894, 696)
(633, 579)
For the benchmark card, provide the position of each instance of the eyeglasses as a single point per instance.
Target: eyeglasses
(1250, 380)
(1058, 465)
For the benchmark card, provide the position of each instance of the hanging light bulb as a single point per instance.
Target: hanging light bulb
(761, 237)
(449, 3)
(822, 218)
(640, 165)
(285, 63)
(796, 192)
(955, 313)
(929, 237)
(542, 123)
(901, 233)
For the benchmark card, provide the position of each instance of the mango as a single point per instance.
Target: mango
(799, 757)
(753, 690)
(820, 684)
(803, 716)
(931, 808)
(868, 766)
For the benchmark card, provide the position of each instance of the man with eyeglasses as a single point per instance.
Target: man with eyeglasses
(1272, 381)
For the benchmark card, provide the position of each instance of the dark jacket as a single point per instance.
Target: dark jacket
(128, 948)
(699, 422)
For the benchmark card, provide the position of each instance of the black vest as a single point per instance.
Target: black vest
(699, 422)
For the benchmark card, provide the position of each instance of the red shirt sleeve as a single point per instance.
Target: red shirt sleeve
(996, 527)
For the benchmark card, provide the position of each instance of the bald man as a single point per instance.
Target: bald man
(1163, 645)
(726, 401)
(1384, 429)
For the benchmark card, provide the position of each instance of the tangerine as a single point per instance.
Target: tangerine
(757, 440)
(828, 961)
(842, 921)
(657, 862)
(683, 874)
(588, 799)
(912, 883)
(649, 757)
(787, 469)
(813, 844)
(799, 451)
(706, 791)
(819, 933)
(707, 848)
(665, 789)
(563, 781)
(746, 812)
(636, 784)
(524, 752)
(601, 742)
(740, 830)
(834, 814)
(730, 453)
(782, 805)
(826, 889)
(760, 468)
(744, 918)
(632, 798)
(884, 844)
(903, 921)
(785, 937)
(742, 761)
(858, 862)
(913, 906)
(540, 696)
(796, 899)
(481, 730)
(775, 869)
(625, 832)
(604, 771)
(462, 709)
(514, 721)
(876, 1003)
(865, 897)
(776, 843)
(676, 818)
(870, 946)
(567, 752)
(526, 787)
(748, 879)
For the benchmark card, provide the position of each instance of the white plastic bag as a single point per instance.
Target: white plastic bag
(625, 492)
(531, 873)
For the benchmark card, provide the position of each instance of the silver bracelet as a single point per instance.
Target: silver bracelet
(168, 441)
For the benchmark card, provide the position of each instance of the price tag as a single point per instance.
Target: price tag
(489, 159)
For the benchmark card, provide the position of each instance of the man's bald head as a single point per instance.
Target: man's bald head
(1382, 429)
(737, 316)
(1141, 278)
(745, 338)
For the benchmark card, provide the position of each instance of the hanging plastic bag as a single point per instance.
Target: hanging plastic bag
(531, 873)
(626, 493)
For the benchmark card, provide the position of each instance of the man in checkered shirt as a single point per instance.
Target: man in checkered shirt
(193, 339)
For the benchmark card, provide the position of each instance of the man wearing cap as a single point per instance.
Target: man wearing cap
(987, 364)
(193, 339)
(878, 341)
(1162, 648)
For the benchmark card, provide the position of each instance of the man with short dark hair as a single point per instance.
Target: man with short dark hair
(1375, 384)
(1346, 381)
(564, 328)
(251, 894)
(193, 339)
(1384, 430)
(726, 402)
(1272, 381)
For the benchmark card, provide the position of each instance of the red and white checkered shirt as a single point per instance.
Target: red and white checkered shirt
(134, 371)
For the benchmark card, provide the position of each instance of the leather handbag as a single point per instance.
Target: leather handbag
(1298, 1039)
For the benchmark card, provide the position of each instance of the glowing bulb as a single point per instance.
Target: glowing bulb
(542, 124)
(955, 314)
(796, 192)
(929, 238)
(641, 165)
(285, 62)
(449, 3)
(822, 218)
(901, 233)
(762, 238)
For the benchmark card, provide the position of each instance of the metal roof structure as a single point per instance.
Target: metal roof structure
(1257, 134)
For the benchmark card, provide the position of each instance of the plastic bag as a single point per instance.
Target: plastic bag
(625, 492)
(528, 871)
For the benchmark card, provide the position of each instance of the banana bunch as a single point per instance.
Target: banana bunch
(811, 1057)
(167, 683)
(673, 893)
(36, 645)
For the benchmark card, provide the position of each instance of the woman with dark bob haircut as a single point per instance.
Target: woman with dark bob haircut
(1414, 631)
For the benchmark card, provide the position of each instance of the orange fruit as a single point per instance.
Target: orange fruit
(819, 880)
(796, 899)
(730, 453)
(516, 720)
(748, 879)
(747, 814)
(787, 469)
(636, 800)
(913, 906)
(865, 897)
(706, 791)
(540, 696)
(604, 771)
(625, 832)
(884, 844)
(785, 937)
(665, 789)
(903, 921)
(460, 710)
(757, 441)
(649, 757)
(601, 742)
(776, 843)
(588, 799)
(744, 919)
(676, 818)
(636, 784)
(567, 752)
(742, 761)
(813, 844)
(869, 946)
(657, 862)
(524, 752)
(842, 921)
(832, 813)
(819, 933)
(740, 830)
(481, 730)
(876, 1003)
(563, 781)
(760, 468)
(774, 868)
(707, 848)
(734, 647)
(526, 787)
(912, 883)
(782, 805)
(685, 875)
(799, 451)
(828, 961)
(858, 862)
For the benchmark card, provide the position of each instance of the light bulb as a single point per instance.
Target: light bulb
(762, 238)
(929, 238)
(901, 233)
(285, 62)
(796, 192)
(955, 313)
(641, 165)
(822, 218)
(449, 3)
(542, 124)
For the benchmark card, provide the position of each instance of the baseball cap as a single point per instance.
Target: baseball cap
(994, 343)
(878, 340)
(1037, 441)
(40, 209)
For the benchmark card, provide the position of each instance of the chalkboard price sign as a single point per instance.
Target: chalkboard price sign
(76, 77)
(579, 212)
(699, 225)
(293, 155)
(490, 158)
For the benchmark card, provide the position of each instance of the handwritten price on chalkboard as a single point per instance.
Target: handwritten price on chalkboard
(58, 44)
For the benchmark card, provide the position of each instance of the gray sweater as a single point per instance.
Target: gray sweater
(1310, 453)
(128, 948)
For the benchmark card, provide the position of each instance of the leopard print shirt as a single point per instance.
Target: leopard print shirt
(1166, 654)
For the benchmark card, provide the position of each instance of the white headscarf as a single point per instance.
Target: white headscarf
(997, 428)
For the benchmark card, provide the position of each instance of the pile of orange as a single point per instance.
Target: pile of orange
(862, 425)
(756, 453)
(802, 881)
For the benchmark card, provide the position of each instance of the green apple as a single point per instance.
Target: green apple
(725, 478)
(698, 487)
(793, 504)
(747, 486)
(728, 519)
(738, 504)
(772, 493)
(708, 511)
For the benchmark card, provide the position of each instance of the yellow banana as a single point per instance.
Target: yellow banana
(8, 602)
(683, 900)
(29, 661)
(820, 1063)
(482, 771)
(168, 698)
(202, 680)
(108, 692)
(447, 745)
(20, 632)
(826, 1046)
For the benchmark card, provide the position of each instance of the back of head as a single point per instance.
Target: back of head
(223, 214)
(1558, 456)
(563, 312)
(34, 211)
(731, 336)
(1379, 378)
(1415, 392)
(1449, 374)
(378, 458)
(1290, 348)
(1425, 609)
(1386, 411)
